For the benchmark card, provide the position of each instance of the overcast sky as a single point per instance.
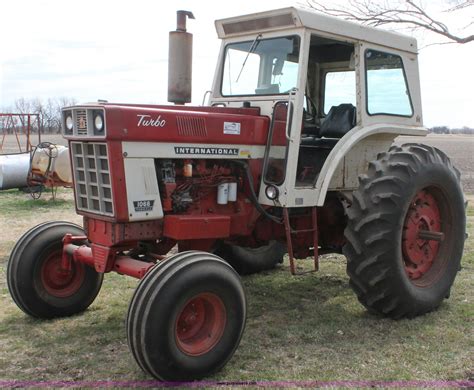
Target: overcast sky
(117, 50)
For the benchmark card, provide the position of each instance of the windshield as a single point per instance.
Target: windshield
(261, 67)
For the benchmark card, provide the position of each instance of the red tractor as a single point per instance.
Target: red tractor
(291, 154)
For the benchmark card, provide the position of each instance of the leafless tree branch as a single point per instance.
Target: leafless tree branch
(49, 112)
(407, 12)
(460, 5)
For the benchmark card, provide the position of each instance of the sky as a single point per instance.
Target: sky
(117, 50)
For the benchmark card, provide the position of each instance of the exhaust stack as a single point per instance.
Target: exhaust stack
(180, 60)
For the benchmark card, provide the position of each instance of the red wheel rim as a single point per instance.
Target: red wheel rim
(58, 282)
(200, 324)
(421, 235)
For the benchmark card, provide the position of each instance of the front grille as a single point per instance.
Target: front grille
(81, 122)
(92, 177)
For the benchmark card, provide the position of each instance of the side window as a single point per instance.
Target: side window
(340, 87)
(387, 90)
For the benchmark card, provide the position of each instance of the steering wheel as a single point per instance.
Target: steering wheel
(310, 115)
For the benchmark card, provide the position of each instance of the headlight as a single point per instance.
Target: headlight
(69, 122)
(98, 122)
(271, 192)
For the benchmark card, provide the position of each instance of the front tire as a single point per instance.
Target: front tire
(405, 234)
(186, 317)
(35, 280)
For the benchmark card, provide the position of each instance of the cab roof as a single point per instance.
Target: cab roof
(292, 17)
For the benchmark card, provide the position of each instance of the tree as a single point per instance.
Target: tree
(22, 106)
(408, 13)
(49, 111)
(440, 130)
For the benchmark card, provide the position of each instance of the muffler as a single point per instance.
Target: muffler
(180, 59)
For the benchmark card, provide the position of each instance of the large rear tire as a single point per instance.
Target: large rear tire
(186, 317)
(406, 231)
(35, 280)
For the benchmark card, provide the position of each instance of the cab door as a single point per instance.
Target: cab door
(281, 153)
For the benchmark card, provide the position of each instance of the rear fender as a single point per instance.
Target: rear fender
(352, 154)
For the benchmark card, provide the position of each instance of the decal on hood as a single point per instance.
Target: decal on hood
(206, 151)
(145, 120)
(143, 205)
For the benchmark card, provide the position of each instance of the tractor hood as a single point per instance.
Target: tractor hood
(190, 124)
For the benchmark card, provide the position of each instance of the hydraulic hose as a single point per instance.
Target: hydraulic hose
(253, 196)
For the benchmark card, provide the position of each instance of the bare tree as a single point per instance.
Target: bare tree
(22, 106)
(408, 13)
(38, 108)
(50, 116)
(49, 112)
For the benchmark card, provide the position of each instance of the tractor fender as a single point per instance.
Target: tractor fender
(384, 133)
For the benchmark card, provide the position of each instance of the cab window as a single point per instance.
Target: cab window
(261, 67)
(340, 88)
(387, 89)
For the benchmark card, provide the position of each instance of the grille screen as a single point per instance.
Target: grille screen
(81, 122)
(92, 177)
(191, 126)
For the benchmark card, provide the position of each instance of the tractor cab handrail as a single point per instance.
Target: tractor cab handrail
(289, 113)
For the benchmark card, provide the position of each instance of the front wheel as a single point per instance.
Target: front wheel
(36, 281)
(406, 230)
(186, 317)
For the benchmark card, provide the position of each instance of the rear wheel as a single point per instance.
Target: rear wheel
(406, 232)
(248, 261)
(186, 317)
(36, 281)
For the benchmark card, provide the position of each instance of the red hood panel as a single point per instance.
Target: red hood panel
(185, 124)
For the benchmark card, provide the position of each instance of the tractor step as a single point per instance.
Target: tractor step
(290, 231)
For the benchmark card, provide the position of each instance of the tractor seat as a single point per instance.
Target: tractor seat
(322, 143)
(310, 130)
(339, 120)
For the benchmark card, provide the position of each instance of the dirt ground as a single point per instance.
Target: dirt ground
(460, 148)
(11, 144)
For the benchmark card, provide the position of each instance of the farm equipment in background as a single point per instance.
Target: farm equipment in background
(50, 167)
(26, 166)
(20, 126)
(293, 154)
(46, 165)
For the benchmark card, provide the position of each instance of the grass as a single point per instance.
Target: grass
(16, 204)
(298, 328)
